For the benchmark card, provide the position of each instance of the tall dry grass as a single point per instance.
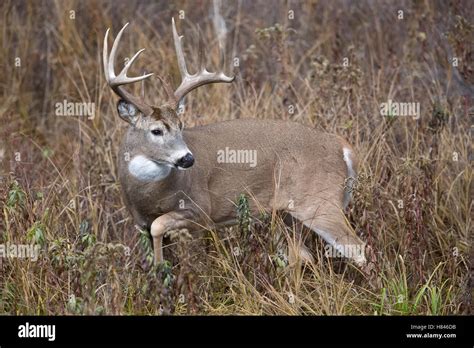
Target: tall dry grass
(413, 200)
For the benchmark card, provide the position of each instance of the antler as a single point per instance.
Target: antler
(116, 82)
(200, 78)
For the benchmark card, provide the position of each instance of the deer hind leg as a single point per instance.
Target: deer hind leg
(297, 251)
(164, 223)
(330, 224)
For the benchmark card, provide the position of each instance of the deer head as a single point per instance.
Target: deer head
(156, 132)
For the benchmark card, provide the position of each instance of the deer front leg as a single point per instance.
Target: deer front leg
(164, 223)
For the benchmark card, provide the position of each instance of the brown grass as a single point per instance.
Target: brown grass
(413, 200)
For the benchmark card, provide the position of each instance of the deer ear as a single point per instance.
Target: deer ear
(128, 111)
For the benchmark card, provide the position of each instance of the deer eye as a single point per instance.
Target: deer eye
(157, 132)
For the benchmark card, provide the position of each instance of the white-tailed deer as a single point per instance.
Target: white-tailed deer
(174, 178)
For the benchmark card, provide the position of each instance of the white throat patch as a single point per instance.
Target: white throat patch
(146, 170)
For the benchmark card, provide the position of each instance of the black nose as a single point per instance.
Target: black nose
(186, 161)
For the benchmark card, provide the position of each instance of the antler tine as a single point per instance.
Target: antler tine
(112, 57)
(179, 51)
(105, 57)
(116, 81)
(202, 76)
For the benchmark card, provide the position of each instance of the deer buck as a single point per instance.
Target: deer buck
(174, 178)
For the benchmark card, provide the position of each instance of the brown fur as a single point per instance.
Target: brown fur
(299, 170)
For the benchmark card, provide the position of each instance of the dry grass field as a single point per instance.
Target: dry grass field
(326, 64)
